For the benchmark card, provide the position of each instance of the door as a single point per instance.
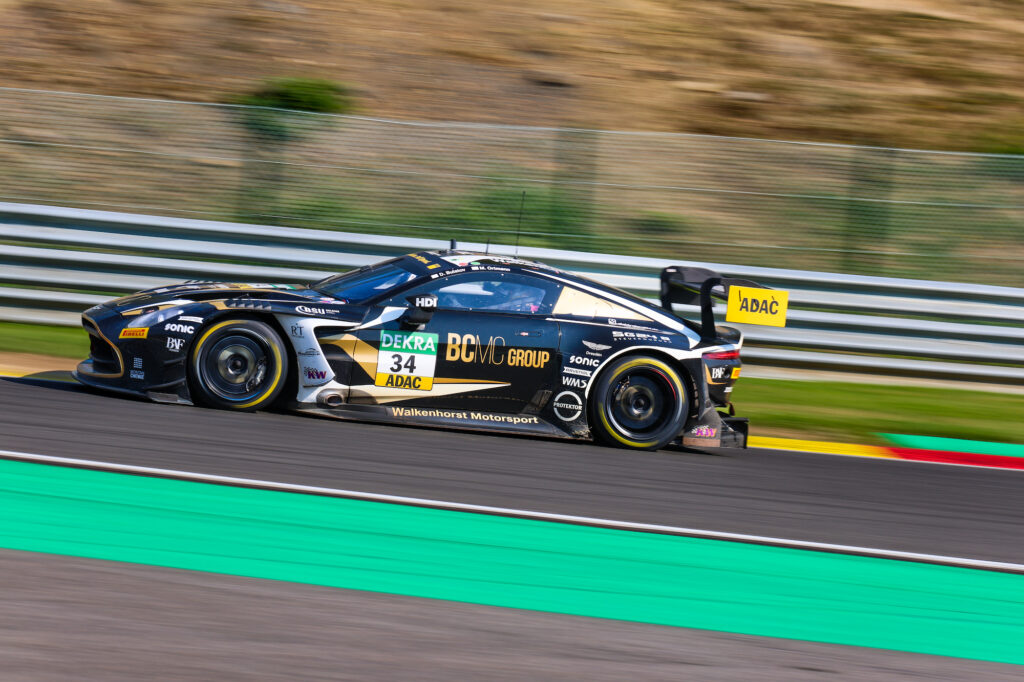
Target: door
(488, 347)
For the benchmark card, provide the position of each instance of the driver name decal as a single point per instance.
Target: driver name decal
(406, 360)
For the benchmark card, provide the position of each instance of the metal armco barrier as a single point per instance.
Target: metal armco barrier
(54, 262)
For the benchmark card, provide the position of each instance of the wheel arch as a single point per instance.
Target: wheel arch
(291, 378)
(678, 364)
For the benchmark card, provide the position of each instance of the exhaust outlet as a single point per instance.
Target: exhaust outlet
(330, 399)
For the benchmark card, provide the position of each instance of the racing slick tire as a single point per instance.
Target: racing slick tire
(638, 402)
(238, 364)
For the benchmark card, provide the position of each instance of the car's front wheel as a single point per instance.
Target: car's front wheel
(638, 402)
(238, 364)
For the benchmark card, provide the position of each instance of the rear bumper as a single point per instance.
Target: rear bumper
(735, 431)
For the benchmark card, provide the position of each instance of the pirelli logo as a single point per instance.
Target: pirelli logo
(749, 305)
(134, 333)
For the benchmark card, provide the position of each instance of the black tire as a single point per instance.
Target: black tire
(238, 364)
(638, 402)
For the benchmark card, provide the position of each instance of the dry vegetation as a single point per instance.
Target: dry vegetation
(926, 73)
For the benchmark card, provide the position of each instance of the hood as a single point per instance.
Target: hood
(176, 294)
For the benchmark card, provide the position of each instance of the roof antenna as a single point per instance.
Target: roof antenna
(452, 245)
(520, 224)
(488, 249)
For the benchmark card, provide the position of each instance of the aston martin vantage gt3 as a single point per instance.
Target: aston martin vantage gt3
(447, 338)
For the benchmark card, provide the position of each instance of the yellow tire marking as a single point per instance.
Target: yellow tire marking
(629, 365)
(273, 347)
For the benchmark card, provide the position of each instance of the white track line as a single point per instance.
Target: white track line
(517, 513)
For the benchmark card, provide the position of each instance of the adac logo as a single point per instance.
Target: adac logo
(751, 305)
(134, 333)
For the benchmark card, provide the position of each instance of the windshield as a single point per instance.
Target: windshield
(364, 284)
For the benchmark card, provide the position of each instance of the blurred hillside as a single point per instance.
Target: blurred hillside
(946, 74)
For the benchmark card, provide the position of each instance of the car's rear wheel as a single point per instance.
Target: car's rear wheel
(238, 364)
(638, 402)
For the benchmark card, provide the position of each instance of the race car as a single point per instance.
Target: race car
(450, 339)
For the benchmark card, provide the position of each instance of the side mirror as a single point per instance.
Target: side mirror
(421, 308)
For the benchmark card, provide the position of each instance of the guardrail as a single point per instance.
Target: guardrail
(56, 261)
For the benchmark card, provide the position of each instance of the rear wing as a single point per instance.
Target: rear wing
(748, 301)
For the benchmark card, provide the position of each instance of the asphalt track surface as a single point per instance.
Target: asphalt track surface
(68, 618)
(905, 506)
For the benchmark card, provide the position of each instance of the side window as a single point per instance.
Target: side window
(505, 292)
(575, 303)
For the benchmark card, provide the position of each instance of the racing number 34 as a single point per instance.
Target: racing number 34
(406, 360)
(409, 363)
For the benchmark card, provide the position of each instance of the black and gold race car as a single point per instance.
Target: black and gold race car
(451, 339)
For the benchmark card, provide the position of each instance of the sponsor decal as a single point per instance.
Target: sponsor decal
(314, 374)
(568, 406)
(137, 374)
(461, 414)
(719, 372)
(174, 344)
(577, 371)
(306, 310)
(190, 318)
(597, 347)
(641, 336)
(735, 373)
(470, 348)
(179, 328)
(702, 432)
(137, 363)
(309, 351)
(583, 360)
(490, 268)
(416, 256)
(615, 323)
(134, 333)
(574, 382)
(751, 305)
(406, 360)
(296, 331)
(427, 301)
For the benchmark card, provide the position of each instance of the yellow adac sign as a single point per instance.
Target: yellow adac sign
(748, 305)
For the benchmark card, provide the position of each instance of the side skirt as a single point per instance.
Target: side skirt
(468, 420)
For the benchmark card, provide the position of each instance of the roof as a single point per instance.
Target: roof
(451, 262)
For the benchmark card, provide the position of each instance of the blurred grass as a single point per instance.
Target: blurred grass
(856, 412)
(65, 342)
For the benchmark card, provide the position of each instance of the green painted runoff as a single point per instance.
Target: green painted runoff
(519, 563)
(981, 447)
